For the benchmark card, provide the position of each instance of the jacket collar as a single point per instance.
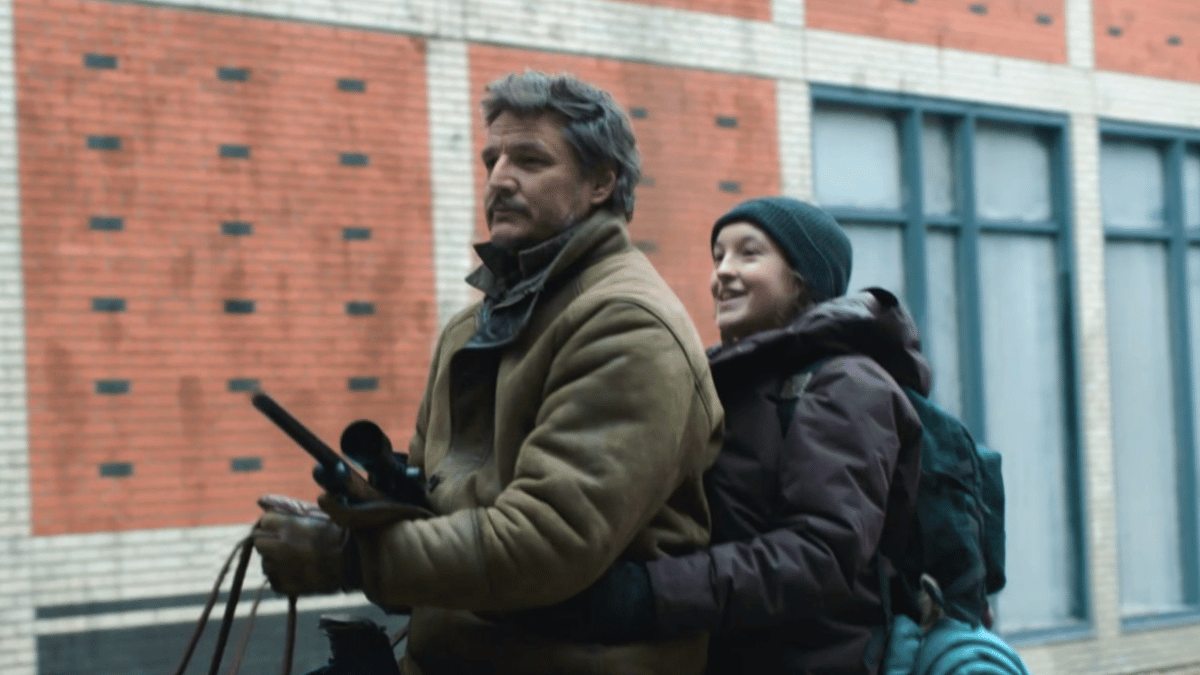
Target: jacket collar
(871, 323)
(504, 270)
(512, 283)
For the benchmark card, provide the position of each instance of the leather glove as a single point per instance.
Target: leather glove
(355, 504)
(617, 609)
(369, 514)
(303, 551)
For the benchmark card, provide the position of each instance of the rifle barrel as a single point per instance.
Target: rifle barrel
(297, 431)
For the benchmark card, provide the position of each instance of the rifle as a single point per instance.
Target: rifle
(363, 441)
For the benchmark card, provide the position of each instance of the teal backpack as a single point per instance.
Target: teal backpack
(958, 535)
(949, 647)
(957, 538)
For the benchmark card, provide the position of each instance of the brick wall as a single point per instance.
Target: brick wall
(112, 565)
(746, 9)
(212, 202)
(1028, 29)
(1158, 38)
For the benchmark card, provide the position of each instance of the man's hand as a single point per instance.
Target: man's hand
(618, 608)
(369, 515)
(303, 551)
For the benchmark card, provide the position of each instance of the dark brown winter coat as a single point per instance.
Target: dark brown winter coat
(790, 583)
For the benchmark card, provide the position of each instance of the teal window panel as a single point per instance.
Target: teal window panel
(963, 211)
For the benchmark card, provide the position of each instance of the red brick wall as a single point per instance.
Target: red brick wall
(179, 425)
(746, 9)
(1030, 29)
(1159, 38)
(686, 155)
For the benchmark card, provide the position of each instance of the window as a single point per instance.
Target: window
(1150, 199)
(961, 211)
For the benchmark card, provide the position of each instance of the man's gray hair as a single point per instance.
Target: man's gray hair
(596, 127)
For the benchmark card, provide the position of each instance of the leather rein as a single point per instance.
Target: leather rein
(241, 551)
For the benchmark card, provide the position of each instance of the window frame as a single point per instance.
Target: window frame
(910, 113)
(1173, 143)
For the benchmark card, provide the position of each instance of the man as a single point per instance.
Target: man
(566, 423)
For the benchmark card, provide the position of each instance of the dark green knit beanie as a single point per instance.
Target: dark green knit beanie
(811, 240)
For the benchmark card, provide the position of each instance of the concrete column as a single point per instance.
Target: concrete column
(1080, 34)
(18, 644)
(451, 116)
(788, 13)
(1096, 405)
(794, 111)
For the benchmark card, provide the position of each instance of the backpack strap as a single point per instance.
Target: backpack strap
(885, 589)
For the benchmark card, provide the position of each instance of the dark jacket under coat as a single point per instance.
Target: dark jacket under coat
(790, 584)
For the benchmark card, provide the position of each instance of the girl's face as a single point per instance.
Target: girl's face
(753, 286)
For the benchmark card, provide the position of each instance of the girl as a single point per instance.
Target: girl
(818, 471)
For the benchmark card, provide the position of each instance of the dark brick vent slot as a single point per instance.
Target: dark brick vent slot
(363, 383)
(243, 384)
(112, 387)
(100, 61)
(106, 223)
(245, 464)
(116, 469)
(239, 306)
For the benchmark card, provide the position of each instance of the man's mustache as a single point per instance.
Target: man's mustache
(507, 204)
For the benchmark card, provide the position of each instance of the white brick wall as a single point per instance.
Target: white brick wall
(111, 566)
(1078, 17)
(794, 110)
(1095, 408)
(104, 567)
(453, 116)
(788, 13)
(17, 598)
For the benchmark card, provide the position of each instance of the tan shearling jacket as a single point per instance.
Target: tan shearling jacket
(580, 436)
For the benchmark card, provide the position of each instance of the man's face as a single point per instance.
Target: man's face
(535, 186)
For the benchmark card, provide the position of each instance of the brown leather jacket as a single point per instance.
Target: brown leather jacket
(568, 420)
(790, 583)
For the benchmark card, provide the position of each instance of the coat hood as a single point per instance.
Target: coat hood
(871, 322)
